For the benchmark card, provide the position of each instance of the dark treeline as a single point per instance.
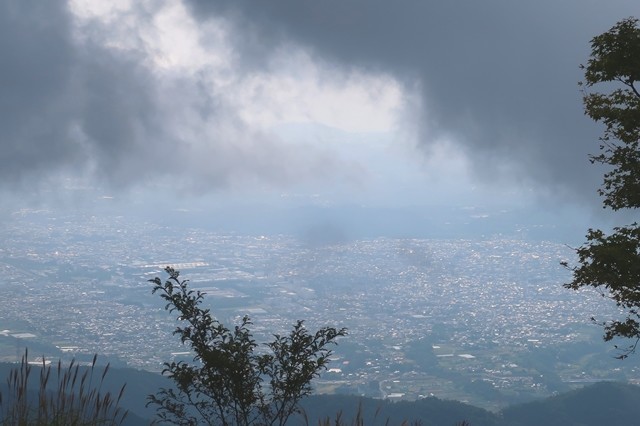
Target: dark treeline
(594, 405)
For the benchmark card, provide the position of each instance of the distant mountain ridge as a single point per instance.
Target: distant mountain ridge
(605, 403)
(600, 404)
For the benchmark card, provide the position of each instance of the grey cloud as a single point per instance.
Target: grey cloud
(499, 76)
(37, 63)
(76, 107)
(67, 107)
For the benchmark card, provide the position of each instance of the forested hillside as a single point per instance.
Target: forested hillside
(594, 405)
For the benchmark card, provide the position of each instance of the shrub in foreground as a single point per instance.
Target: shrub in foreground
(69, 396)
(233, 380)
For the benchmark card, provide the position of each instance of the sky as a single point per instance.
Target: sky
(373, 102)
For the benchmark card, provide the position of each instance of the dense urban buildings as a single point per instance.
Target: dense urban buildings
(485, 320)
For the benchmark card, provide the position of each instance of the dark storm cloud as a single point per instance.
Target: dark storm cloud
(498, 76)
(37, 65)
(66, 106)
(75, 104)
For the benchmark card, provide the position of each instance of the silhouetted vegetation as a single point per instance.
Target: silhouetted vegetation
(593, 405)
(611, 263)
(67, 396)
(233, 380)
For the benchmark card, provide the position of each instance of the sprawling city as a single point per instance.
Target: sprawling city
(486, 320)
(425, 211)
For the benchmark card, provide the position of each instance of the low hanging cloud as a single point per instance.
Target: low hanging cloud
(68, 108)
(38, 65)
(89, 96)
(497, 77)
(186, 94)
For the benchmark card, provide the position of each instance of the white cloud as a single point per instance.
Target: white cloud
(301, 90)
(295, 88)
(223, 119)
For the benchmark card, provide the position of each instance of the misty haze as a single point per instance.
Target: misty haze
(416, 172)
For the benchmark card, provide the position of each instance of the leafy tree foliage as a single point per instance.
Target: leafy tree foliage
(231, 381)
(611, 263)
